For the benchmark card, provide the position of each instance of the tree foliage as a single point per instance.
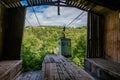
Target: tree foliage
(39, 41)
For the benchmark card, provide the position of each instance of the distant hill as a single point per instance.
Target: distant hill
(39, 41)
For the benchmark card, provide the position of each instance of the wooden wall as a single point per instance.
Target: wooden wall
(112, 36)
(13, 32)
(1, 26)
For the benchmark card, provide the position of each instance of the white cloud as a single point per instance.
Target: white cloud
(50, 17)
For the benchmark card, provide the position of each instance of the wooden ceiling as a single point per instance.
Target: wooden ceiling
(87, 5)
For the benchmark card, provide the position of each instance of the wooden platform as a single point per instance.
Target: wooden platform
(32, 75)
(57, 67)
(9, 70)
(103, 69)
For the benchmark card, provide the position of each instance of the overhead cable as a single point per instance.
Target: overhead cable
(80, 18)
(75, 18)
(36, 15)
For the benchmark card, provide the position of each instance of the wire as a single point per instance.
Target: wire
(34, 12)
(80, 18)
(75, 18)
(36, 15)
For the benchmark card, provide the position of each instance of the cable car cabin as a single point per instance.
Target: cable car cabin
(65, 47)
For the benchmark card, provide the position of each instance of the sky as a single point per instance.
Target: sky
(48, 15)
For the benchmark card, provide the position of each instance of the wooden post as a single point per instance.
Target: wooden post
(13, 31)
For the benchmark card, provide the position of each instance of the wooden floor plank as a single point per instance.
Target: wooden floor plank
(55, 71)
(65, 72)
(60, 72)
(9, 69)
(33, 75)
(57, 67)
(70, 71)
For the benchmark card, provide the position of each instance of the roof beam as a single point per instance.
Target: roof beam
(112, 4)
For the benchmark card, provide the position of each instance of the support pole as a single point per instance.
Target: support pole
(58, 7)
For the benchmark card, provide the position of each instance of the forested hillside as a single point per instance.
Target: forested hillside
(39, 41)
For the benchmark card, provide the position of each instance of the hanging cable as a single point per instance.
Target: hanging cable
(79, 18)
(33, 11)
(64, 28)
(75, 18)
(36, 15)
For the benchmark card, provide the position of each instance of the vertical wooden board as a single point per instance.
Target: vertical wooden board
(118, 51)
(54, 71)
(13, 32)
(95, 39)
(47, 72)
(60, 72)
(111, 36)
(1, 29)
(0, 32)
(43, 71)
(64, 74)
(118, 44)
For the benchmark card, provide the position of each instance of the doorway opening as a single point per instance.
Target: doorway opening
(42, 30)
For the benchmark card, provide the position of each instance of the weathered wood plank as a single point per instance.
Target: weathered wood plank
(10, 69)
(60, 68)
(32, 75)
(102, 67)
(112, 37)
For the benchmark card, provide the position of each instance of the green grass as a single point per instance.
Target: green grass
(39, 41)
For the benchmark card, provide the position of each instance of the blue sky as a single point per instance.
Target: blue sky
(47, 15)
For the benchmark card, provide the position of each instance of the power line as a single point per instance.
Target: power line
(75, 18)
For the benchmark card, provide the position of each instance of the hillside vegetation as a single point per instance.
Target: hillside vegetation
(39, 41)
